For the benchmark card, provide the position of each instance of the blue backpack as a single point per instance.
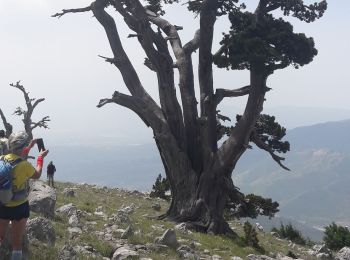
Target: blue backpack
(6, 188)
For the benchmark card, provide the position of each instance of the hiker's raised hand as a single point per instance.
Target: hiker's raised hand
(43, 153)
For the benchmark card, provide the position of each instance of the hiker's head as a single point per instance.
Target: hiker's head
(17, 141)
(2, 133)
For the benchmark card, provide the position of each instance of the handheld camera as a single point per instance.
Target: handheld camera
(40, 144)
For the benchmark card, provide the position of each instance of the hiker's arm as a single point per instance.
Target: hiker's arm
(39, 164)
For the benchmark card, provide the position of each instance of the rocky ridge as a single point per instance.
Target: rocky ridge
(80, 221)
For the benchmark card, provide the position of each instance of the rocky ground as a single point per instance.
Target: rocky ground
(80, 221)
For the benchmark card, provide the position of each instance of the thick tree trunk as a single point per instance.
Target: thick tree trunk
(201, 205)
(199, 199)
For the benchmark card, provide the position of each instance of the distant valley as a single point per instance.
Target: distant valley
(315, 192)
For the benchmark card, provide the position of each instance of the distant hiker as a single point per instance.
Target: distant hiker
(15, 172)
(50, 173)
(3, 143)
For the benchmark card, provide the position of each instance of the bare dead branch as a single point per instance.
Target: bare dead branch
(109, 60)
(76, 10)
(37, 102)
(42, 123)
(135, 104)
(132, 35)
(178, 27)
(259, 143)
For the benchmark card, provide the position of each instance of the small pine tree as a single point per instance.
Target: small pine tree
(251, 237)
(336, 237)
(160, 188)
(291, 233)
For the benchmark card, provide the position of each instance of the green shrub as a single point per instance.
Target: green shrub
(289, 232)
(336, 237)
(160, 188)
(250, 234)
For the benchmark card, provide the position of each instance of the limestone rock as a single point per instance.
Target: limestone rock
(258, 257)
(67, 253)
(67, 210)
(156, 206)
(343, 254)
(69, 192)
(127, 233)
(124, 252)
(168, 239)
(41, 229)
(186, 252)
(74, 221)
(42, 199)
(74, 231)
(182, 227)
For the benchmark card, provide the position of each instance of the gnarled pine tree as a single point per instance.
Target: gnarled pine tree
(198, 168)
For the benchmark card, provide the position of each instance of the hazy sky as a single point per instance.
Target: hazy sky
(58, 59)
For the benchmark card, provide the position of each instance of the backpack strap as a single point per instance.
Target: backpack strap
(16, 162)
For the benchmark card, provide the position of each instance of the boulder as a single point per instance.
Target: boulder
(156, 206)
(186, 252)
(321, 249)
(67, 210)
(41, 229)
(121, 217)
(236, 258)
(124, 252)
(87, 251)
(67, 253)
(42, 199)
(69, 192)
(168, 239)
(343, 254)
(127, 233)
(73, 221)
(324, 256)
(74, 231)
(258, 257)
(183, 228)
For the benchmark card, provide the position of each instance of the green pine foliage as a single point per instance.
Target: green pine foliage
(289, 232)
(336, 237)
(160, 188)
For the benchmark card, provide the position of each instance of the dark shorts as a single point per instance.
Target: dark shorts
(15, 213)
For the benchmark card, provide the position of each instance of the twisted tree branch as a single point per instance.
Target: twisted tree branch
(259, 143)
(193, 44)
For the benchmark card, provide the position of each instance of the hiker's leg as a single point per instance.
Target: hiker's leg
(4, 223)
(18, 228)
(53, 182)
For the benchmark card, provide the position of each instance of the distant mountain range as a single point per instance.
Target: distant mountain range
(316, 191)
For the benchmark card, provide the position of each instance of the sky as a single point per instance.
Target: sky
(58, 59)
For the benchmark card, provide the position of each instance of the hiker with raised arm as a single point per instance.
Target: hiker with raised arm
(15, 172)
